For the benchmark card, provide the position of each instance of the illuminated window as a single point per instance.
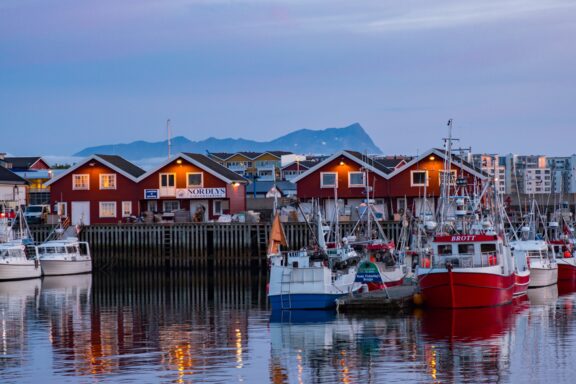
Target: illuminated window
(108, 181)
(447, 176)
(80, 182)
(328, 179)
(126, 208)
(107, 209)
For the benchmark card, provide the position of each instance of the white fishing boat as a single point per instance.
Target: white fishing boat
(309, 279)
(543, 266)
(65, 254)
(18, 259)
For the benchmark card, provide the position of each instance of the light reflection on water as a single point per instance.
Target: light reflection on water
(215, 327)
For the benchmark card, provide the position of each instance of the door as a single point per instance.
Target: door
(167, 184)
(81, 212)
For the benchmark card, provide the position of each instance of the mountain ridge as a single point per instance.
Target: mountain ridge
(304, 141)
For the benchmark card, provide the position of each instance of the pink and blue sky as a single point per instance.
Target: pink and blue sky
(75, 73)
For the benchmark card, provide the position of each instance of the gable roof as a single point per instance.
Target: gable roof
(22, 162)
(457, 161)
(352, 155)
(387, 172)
(9, 177)
(202, 162)
(116, 163)
(124, 164)
(390, 162)
(247, 154)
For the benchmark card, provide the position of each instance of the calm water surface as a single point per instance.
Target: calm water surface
(216, 328)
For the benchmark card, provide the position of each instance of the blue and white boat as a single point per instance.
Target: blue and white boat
(309, 279)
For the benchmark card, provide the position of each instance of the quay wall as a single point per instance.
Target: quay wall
(191, 245)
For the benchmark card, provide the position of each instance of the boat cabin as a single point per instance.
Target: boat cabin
(465, 251)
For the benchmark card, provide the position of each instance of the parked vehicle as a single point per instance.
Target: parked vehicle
(37, 214)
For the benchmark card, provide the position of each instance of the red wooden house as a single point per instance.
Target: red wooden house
(195, 183)
(394, 186)
(98, 189)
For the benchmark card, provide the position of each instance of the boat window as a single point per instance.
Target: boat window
(83, 248)
(445, 249)
(71, 249)
(50, 250)
(488, 248)
(41, 250)
(4, 253)
(465, 249)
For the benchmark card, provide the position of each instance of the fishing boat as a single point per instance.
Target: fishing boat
(309, 278)
(562, 240)
(383, 265)
(538, 254)
(471, 264)
(18, 259)
(64, 254)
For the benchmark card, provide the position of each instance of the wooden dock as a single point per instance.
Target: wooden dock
(191, 245)
(393, 299)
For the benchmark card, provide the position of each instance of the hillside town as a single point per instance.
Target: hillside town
(246, 186)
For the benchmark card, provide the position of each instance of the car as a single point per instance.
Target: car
(36, 214)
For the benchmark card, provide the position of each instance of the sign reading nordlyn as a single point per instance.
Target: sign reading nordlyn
(200, 193)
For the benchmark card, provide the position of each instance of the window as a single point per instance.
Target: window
(485, 248)
(445, 249)
(401, 205)
(107, 209)
(152, 206)
(195, 179)
(108, 181)
(466, 249)
(356, 179)
(328, 179)
(80, 182)
(62, 209)
(170, 205)
(444, 175)
(126, 208)
(419, 178)
(219, 206)
(167, 180)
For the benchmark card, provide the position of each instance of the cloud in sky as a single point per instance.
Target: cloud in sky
(76, 74)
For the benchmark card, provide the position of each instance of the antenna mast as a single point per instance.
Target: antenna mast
(168, 132)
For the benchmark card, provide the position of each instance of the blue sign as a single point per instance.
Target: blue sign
(368, 273)
(150, 194)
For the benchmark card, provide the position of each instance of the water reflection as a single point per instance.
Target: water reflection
(215, 327)
(18, 302)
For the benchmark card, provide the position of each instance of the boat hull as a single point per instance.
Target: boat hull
(567, 269)
(65, 267)
(543, 277)
(19, 271)
(457, 289)
(303, 301)
(521, 283)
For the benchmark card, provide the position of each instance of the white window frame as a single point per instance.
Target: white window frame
(322, 179)
(126, 208)
(112, 179)
(75, 176)
(350, 185)
(101, 209)
(412, 184)
(165, 202)
(201, 185)
(454, 174)
(62, 209)
(216, 212)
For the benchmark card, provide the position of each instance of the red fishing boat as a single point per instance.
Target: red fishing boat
(471, 264)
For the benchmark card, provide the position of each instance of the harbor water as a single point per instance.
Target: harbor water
(216, 327)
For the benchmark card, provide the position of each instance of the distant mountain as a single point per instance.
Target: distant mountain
(324, 141)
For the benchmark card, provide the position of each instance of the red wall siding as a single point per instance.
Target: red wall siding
(61, 190)
(400, 184)
(237, 196)
(309, 187)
